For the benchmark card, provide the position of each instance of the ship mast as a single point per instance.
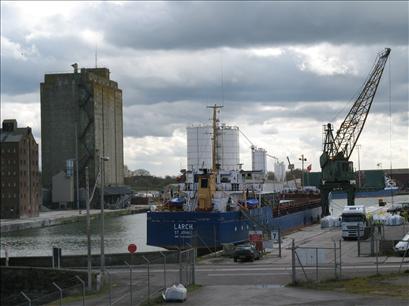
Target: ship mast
(214, 146)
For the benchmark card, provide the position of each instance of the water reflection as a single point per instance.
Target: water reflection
(119, 232)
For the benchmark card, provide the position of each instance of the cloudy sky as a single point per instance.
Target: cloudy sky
(281, 70)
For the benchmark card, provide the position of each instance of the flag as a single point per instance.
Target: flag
(309, 168)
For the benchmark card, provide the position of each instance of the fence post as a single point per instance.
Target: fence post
(187, 267)
(335, 260)
(130, 280)
(26, 297)
(164, 269)
(194, 266)
(149, 286)
(180, 266)
(293, 261)
(404, 254)
(340, 260)
(359, 241)
(377, 253)
(83, 289)
(110, 287)
(316, 264)
(59, 289)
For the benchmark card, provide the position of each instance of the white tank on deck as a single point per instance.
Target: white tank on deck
(258, 159)
(199, 147)
(279, 171)
(228, 149)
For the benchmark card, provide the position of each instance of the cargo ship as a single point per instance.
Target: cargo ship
(217, 204)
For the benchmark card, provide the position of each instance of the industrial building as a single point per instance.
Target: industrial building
(81, 119)
(258, 159)
(20, 177)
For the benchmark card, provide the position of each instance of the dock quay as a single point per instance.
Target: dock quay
(225, 282)
(57, 217)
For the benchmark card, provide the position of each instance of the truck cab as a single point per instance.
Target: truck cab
(354, 222)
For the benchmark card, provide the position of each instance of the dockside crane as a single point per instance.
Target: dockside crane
(336, 169)
(291, 168)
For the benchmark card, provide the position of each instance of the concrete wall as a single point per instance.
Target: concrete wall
(108, 131)
(77, 261)
(62, 188)
(59, 113)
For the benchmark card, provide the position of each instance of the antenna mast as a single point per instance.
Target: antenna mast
(214, 126)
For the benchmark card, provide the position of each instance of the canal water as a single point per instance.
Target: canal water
(71, 238)
(119, 232)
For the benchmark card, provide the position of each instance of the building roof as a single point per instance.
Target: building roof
(11, 133)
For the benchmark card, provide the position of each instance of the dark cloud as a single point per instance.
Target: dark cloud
(198, 25)
(156, 52)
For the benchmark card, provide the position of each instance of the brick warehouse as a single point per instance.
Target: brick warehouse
(20, 177)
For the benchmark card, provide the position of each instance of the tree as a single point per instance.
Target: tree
(141, 172)
(297, 173)
(270, 176)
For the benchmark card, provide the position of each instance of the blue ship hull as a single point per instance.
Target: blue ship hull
(212, 229)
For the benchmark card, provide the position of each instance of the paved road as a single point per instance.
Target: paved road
(269, 295)
(255, 283)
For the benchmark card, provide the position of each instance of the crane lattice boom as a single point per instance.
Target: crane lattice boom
(350, 130)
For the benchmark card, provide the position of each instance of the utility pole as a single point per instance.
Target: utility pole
(102, 160)
(302, 171)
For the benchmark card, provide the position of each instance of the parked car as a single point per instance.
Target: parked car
(402, 247)
(246, 252)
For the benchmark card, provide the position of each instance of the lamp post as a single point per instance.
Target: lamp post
(302, 171)
(102, 159)
(76, 170)
(358, 146)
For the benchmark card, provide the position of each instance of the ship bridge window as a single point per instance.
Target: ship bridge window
(235, 187)
(203, 183)
(225, 179)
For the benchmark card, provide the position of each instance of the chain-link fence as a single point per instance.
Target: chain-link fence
(50, 298)
(378, 254)
(148, 280)
(316, 263)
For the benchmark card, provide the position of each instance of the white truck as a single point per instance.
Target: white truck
(354, 222)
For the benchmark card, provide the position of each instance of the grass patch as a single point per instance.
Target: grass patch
(392, 284)
(158, 300)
